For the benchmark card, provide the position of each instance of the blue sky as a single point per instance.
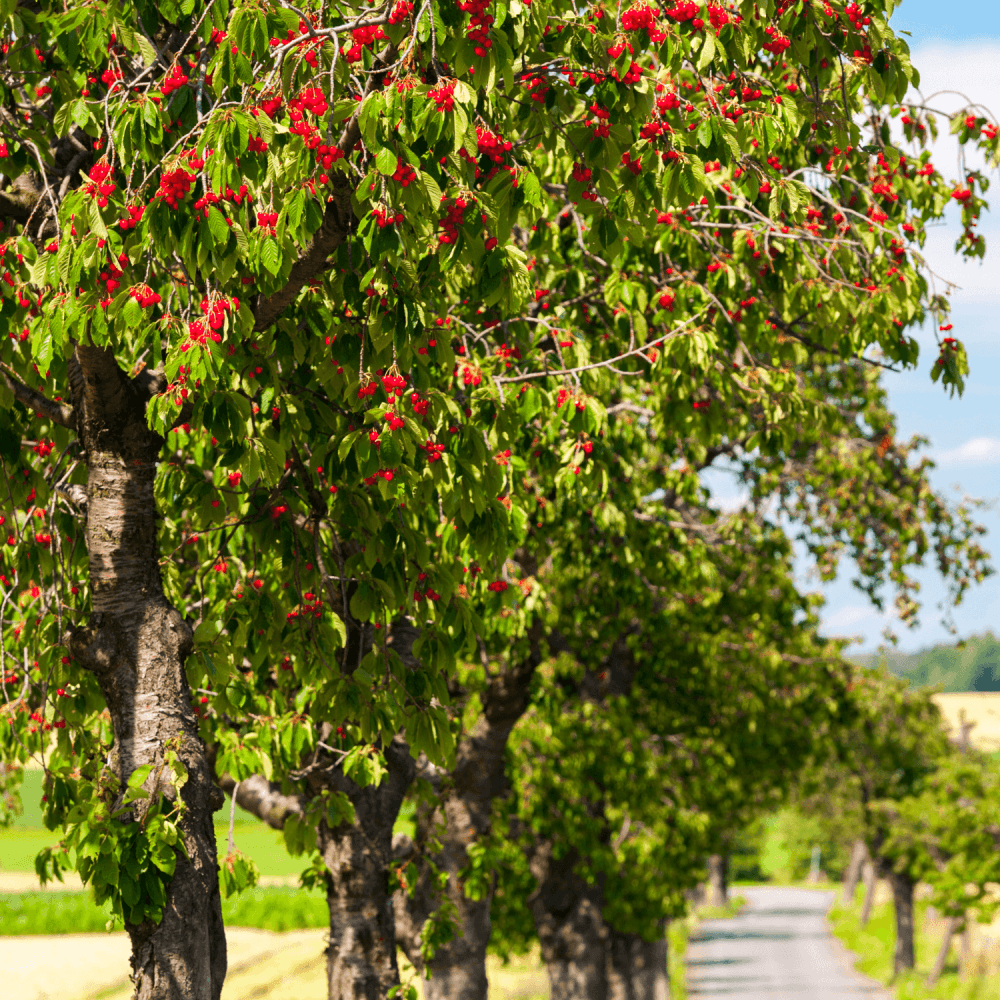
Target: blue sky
(954, 46)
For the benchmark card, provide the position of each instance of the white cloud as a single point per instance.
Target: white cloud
(978, 451)
(853, 620)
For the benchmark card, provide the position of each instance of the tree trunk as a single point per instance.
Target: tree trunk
(637, 969)
(458, 969)
(361, 957)
(571, 930)
(136, 644)
(871, 882)
(718, 879)
(965, 952)
(902, 897)
(942, 957)
(859, 854)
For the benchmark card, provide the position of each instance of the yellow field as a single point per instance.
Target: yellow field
(289, 966)
(980, 708)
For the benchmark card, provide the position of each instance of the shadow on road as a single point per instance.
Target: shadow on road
(717, 934)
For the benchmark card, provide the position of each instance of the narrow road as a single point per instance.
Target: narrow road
(778, 947)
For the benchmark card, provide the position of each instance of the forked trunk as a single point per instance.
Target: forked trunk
(902, 897)
(361, 957)
(859, 855)
(136, 644)
(458, 969)
(637, 969)
(718, 879)
(574, 938)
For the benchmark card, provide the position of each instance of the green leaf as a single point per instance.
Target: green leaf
(217, 225)
(138, 777)
(270, 256)
(386, 162)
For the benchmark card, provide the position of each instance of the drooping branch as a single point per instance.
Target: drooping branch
(264, 799)
(60, 413)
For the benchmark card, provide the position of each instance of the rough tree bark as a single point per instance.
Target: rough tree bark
(573, 936)
(361, 958)
(136, 644)
(718, 880)
(859, 855)
(637, 969)
(902, 897)
(458, 969)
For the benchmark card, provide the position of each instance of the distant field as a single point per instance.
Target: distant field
(21, 842)
(979, 707)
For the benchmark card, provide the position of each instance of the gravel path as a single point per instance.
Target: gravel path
(778, 947)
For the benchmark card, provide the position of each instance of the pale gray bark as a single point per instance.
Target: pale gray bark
(951, 927)
(859, 855)
(871, 882)
(718, 880)
(637, 969)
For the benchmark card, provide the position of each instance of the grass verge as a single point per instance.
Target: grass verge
(272, 908)
(874, 945)
(679, 935)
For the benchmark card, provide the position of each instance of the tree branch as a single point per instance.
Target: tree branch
(338, 222)
(262, 798)
(60, 413)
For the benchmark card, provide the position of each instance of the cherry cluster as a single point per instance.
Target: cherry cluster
(362, 37)
(384, 218)
(267, 221)
(601, 127)
(174, 80)
(98, 188)
(471, 376)
(643, 16)
(135, 213)
(404, 174)
(144, 295)
(492, 144)
(444, 96)
(478, 31)
(175, 185)
(537, 88)
(452, 220)
(401, 10)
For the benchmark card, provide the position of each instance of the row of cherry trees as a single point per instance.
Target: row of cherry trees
(361, 365)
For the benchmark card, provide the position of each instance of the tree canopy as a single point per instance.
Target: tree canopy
(331, 327)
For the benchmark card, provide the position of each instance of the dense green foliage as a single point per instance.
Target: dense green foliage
(438, 325)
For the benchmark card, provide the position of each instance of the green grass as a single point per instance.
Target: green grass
(272, 908)
(678, 935)
(874, 946)
(18, 847)
(20, 843)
